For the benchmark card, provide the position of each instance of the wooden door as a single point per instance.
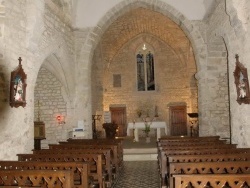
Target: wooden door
(178, 120)
(118, 116)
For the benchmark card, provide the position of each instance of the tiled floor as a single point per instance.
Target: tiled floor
(138, 174)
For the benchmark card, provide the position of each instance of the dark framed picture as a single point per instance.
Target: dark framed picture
(241, 82)
(18, 86)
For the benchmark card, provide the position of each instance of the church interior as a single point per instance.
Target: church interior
(89, 70)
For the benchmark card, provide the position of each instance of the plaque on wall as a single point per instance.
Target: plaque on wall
(18, 86)
(241, 82)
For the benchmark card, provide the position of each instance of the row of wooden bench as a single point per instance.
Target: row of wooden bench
(79, 163)
(192, 162)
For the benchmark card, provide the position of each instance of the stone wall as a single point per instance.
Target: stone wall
(51, 104)
(56, 73)
(16, 131)
(227, 26)
(33, 31)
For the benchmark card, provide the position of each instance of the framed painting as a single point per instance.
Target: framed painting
(18, 86)
(241, 82)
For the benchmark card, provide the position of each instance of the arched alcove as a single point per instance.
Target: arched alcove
(51, 99)
(95, 35)
(115, 55)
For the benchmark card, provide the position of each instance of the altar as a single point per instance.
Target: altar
(158, 125)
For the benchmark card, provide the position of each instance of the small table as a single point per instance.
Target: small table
(141, 125)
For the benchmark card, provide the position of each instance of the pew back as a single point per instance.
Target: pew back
(36, 178)
(212, 180)
(236, 167)
(79, 169)
(95, 161)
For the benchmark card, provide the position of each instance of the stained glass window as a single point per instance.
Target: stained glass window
(140, 72)
(145, 70)
(150, 71)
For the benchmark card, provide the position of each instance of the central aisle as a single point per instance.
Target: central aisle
(138, 174)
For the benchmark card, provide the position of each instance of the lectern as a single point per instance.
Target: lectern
(39, 134)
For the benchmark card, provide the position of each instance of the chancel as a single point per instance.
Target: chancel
(154, 125)
(127, 70)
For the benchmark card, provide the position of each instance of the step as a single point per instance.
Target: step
(140, 157)
(140, 154)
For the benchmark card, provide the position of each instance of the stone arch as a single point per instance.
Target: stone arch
(93, 37)
(57, 69)
(52, 103)
(188, 28)
(54, 65)
(58, 54)
(55, 61)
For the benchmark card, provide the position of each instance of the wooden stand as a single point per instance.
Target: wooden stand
(110, 129)
(39, 134)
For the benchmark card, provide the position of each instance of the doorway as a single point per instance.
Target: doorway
(178, 120)
(118, 116)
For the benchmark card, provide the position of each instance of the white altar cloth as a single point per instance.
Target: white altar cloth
(141, 125)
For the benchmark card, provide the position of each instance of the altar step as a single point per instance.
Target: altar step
(140, 154)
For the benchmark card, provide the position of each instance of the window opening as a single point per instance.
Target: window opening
(145, 70)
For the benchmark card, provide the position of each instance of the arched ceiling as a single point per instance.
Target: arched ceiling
(144, 21)
(87, 13)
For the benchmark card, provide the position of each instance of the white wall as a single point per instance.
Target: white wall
(89, 12)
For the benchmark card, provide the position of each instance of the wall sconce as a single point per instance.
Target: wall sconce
(60, 119)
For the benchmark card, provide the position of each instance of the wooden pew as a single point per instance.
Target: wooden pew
(212, 180)
(118, 141)
(36, 178)
(189, 139)
(79, 169)
(185, 146)
(116, 146)
(217, 157)
(104, 152)
(193, 147)
(95, 161)
(235, 167)
(114, 154)
(163, 156)
(207, 143)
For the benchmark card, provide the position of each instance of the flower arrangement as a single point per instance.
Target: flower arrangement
(147, 129)
(147, 126)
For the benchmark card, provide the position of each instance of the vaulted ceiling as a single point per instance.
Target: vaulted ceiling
(143, 21)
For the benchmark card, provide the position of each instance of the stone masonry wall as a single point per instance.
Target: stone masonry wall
(52, 104)
(217, 113)
(31, 30)
(15, 123)
(227, 26)
(57, 38)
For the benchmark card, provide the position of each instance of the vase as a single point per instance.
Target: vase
(147, 139)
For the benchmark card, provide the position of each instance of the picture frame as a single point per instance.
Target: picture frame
(18, 86)
(241, 82)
